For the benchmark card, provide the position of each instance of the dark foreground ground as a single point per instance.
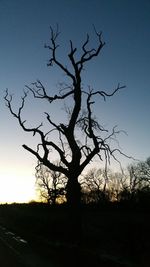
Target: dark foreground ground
(111, 237)
(7, 258)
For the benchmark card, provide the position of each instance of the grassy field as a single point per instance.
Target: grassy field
(111, 237)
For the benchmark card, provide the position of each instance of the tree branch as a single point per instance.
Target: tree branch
(104, 94)
(45, 161)
(39, 91)
(53, 47)
(89, 54)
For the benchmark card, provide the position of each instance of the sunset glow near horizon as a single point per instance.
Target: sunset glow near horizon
(17, 187)
(19, 190)
(24, 28)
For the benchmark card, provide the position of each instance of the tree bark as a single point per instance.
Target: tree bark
(74, 210)
(73, 192)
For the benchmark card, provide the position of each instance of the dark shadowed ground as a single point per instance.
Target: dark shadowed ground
(8, 258)
(112, 237)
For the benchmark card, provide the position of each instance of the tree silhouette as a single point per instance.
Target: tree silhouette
(50, 185)
(82, 137)
(93, 185)
(136, 183)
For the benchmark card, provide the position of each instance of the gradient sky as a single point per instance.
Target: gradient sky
(24, 29)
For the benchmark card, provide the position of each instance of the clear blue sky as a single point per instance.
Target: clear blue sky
(24, 29)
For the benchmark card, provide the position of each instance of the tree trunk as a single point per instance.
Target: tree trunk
(74, 210)
(73, 192)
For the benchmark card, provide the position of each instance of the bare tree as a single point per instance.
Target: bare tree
(93, 185)
(74, 155)
(115, 184)
(136, 180)
(50, 185)
(148, 161)
(139, 176)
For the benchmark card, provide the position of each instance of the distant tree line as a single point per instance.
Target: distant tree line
(97, 185)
